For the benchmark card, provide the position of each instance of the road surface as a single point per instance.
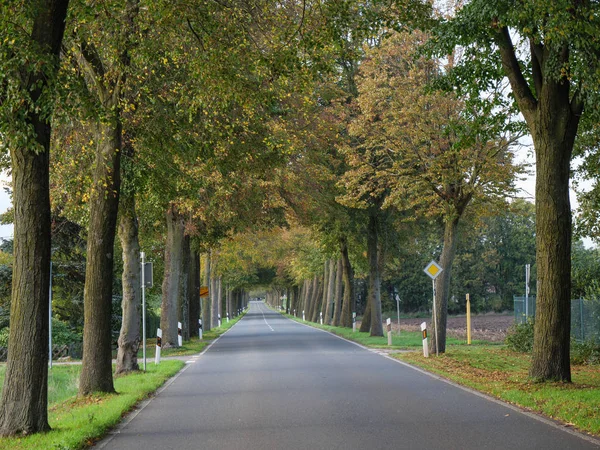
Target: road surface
(272, 383)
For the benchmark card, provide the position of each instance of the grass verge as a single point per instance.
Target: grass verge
(405, 340)
(503, 374)
(192, 346)
(78, 422)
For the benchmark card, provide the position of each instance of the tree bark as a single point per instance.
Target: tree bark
(206, 301)
(129, 337)
(24, 403)
(442, 284)
(348, 280)
(96, 369)
(194, 293)
(374, 274)
(316, 300)
(184, 290)
(553, 137)
(171, 281)
(328, 319)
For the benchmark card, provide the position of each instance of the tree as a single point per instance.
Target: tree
(28, 67)
(436, 164)
(549, 53)
(103, 54)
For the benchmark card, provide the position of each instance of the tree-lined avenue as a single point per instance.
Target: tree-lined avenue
(273, 383)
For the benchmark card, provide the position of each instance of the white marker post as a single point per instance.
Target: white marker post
(219, 317)
(354, 322)
(425, 346)
(200, 329)
(321, 318)
(432, 270)
(389, 331)
(179, 336)
(158, 345)
(303, 316)
(227, 317)
(294, 313)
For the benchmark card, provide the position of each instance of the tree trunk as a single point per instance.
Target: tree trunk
(194, 293)
(184, 290)
(129, 337)
(323, 307)
(348, 280)
(374, 275)
(171, 281)
(328, 319)
(96, 369)
(206, 303)
(24, 403)
(214, 302)
(442, 284)
(316, 300)
(553, 136)
(365, 325)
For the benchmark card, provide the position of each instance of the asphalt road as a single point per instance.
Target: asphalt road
(271, 383)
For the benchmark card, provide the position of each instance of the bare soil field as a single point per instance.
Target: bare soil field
(488, 327)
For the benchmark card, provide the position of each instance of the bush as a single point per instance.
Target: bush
(587, 352)
(4, 337)
(520, 337)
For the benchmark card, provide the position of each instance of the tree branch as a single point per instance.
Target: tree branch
(525, 99)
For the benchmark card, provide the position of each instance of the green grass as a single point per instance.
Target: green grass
(405, 340)
(78, 422)
(192, 346)
(503, 374)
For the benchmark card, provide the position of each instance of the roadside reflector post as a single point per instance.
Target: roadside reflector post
(227, 317)
(321, 318)
(200, 329)
(219, 319)
(354, 322)
(179, 335)
(468, 320)
(303, 316)
(158, 345)
(389, 331)
(425, 347)
(294, 313)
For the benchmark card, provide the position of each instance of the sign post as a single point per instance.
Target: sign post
(468, 320)
(354, 322)
(389, 331)
(527, 275)
(433, 270)
(50, 321)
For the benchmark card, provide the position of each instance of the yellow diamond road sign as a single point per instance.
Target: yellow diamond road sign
(433, 269)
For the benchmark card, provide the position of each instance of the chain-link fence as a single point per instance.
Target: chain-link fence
(585, 316)
(524, 309)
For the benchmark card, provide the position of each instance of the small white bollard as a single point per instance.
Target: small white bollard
(227, 317)
(294, 313)
(179, 335)
(425, 346)
(389, 331)
(200, 329)
(219, 317)
(354, 322)
(158, 346)
(303, 316)
(321, 318)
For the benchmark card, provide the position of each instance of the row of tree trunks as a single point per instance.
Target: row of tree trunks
(206, 304)
(329, 309)
(171, 282)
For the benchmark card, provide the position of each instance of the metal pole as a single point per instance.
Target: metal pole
(398, 309)
(143, 256)
(527, 273)
(50, 320)
(435, 330)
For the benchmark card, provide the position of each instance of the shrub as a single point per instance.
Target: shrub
(587, 352)
(520, 337)
(4, 337)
